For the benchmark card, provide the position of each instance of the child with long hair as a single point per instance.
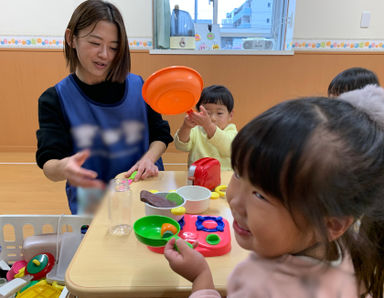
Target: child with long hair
(307, 200)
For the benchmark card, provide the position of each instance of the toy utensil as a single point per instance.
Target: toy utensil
(132, 177)
(173, 90)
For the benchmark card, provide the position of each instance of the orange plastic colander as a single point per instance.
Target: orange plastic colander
(173, 90)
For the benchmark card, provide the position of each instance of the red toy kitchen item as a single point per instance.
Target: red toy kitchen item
(205, 172)
(40, 265)
(212, 232)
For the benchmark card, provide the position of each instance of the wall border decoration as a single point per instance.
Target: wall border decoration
(141, 43)
(336, 45)
(55, 42)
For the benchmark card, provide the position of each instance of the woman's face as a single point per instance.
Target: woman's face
(96, 50)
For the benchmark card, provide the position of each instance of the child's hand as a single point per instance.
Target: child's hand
(188, 122)
(186, 262)
(203, 119)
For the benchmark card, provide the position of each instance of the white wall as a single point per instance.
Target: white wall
(50, 17)
(338, 19)
(315, 19)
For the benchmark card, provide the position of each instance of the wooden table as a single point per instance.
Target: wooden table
(108, 266)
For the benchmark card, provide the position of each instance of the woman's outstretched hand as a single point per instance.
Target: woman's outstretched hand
(78, 176)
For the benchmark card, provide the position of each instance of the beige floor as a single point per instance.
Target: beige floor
(25, 190)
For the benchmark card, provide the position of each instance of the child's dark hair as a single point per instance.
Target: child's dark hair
(351, 79)
(322, 158)
(216, 94)
(89, 13)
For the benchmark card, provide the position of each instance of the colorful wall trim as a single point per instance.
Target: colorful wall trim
(336, 45)
(55, 42)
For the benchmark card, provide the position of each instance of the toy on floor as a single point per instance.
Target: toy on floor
(15, 269)
(41, 289)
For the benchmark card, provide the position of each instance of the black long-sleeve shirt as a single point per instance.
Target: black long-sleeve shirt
(54, 140)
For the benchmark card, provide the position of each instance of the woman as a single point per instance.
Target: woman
(94, 124)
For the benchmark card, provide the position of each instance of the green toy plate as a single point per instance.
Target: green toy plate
(148, 229)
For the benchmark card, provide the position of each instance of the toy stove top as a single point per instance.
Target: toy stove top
(212, 232)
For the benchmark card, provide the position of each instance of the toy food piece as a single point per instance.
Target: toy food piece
(15, 269)
(221, 190)
(168, 230)
(155, 200)
(174, 197)
(215, 195)
(178, 210)
(40, 265)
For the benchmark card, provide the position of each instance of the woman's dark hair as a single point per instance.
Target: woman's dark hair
(89, 13)
(216, 94)
(322, 158)
(351, 79)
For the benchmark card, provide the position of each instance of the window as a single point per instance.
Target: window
(223, 24)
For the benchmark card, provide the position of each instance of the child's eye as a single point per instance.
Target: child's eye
(94, 43)
(259, 196)
(114, 49)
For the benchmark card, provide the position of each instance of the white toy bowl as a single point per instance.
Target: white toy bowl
(197, 198)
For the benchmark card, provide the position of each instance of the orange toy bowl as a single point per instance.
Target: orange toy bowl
(173, 90)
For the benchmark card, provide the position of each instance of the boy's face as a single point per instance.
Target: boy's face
(219, 114)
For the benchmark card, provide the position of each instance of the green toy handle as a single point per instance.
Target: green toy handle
(177, 237)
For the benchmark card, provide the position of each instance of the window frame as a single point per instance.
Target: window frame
(280, 11)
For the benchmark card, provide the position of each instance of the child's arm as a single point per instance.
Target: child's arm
(183, 135)
(190, 264)
(185, 129)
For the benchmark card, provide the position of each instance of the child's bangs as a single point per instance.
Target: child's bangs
(267, 150)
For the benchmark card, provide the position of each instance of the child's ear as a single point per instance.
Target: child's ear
(68, 38)
(337, 226)
(231, 115)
